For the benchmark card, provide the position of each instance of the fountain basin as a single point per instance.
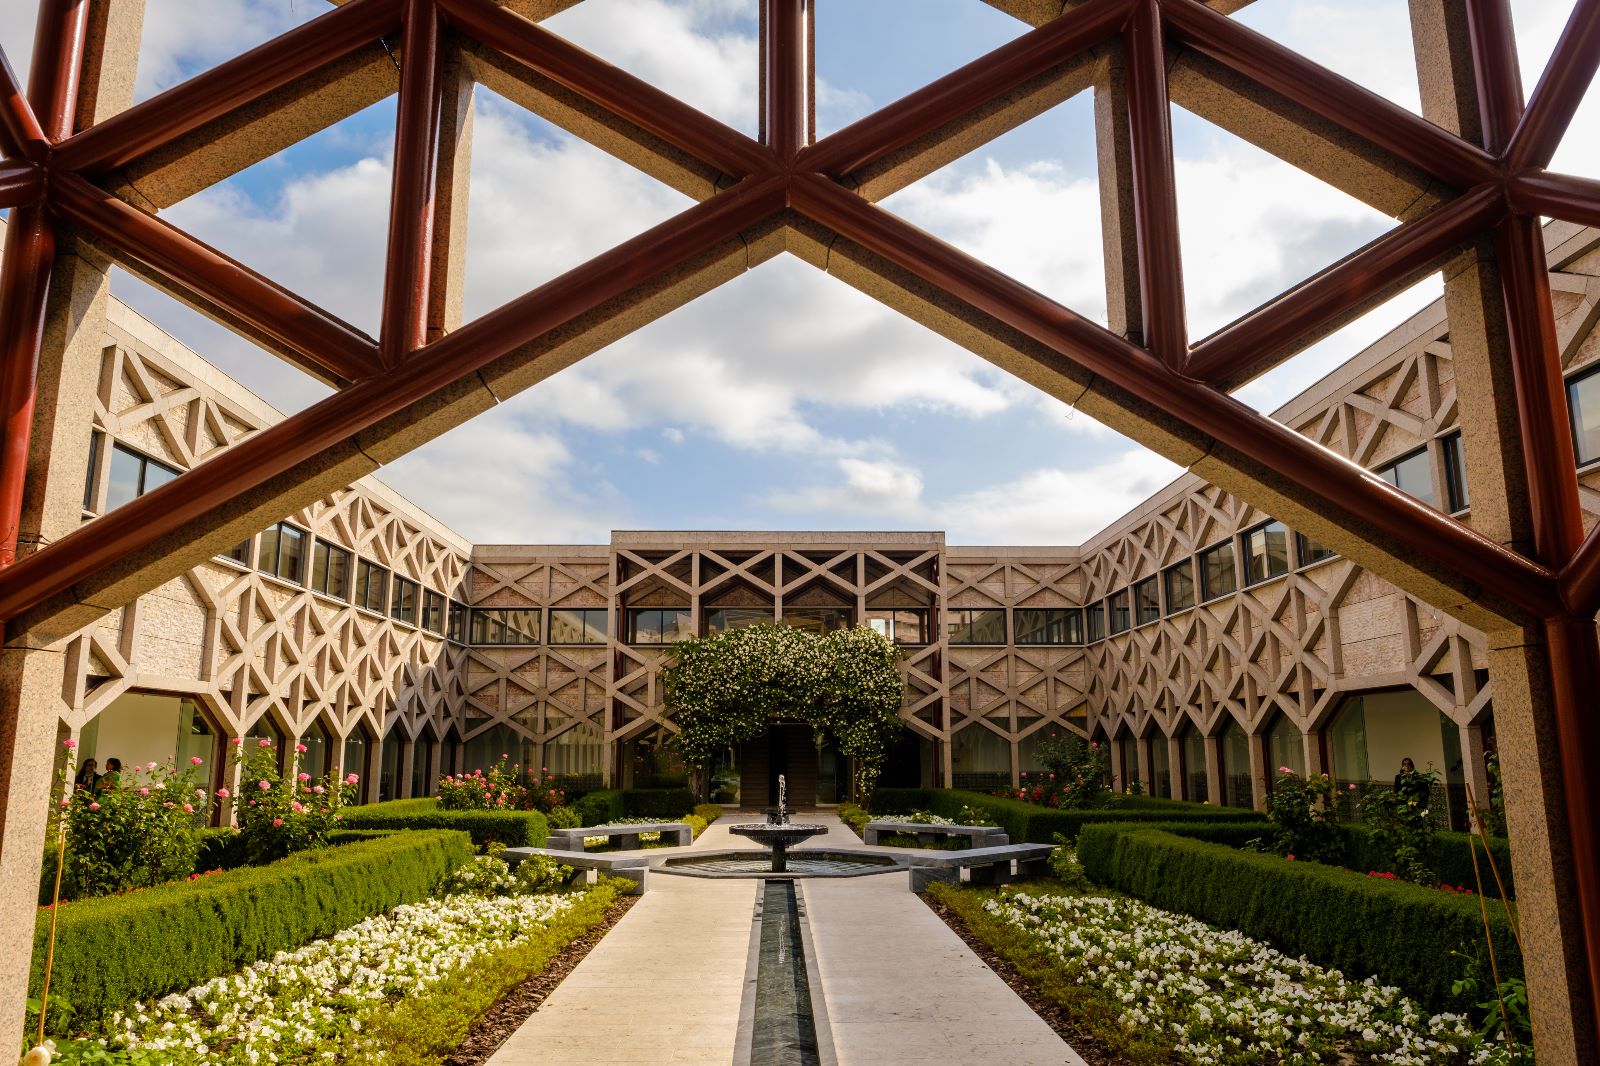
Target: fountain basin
(803, 863)
(778, 838)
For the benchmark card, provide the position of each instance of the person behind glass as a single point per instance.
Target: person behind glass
(86, 776)
(108, 781)
(1410, 784)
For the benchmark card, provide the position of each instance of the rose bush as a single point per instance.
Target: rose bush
(278, 815)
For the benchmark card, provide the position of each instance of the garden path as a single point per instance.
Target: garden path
(897, 985)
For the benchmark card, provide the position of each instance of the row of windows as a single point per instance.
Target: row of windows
(1211, 574)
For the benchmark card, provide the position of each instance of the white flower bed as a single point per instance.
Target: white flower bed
(1222, 997)
(644, 838)
(916, 817)
(300, 1005)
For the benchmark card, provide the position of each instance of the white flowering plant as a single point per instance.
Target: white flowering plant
(726, 689)
(1218, 996)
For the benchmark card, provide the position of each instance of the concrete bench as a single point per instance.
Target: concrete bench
(626, 837)
(977, 836)
(984, 866)
(587, 867)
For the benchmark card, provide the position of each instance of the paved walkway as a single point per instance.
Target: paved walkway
(898, 987)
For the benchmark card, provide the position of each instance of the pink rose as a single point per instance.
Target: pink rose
(301, 748)
(264, 743)
(65, 803)
(318, 790)
(149, 766)
(200, 792)
(236, 741)
(351, 779)
(222, 793)
(70, 744)
(1284, 770)
(195, 760)
(188, 808)
(277, 822)
(167, 804)
(144, 792)
(338, 817)
(94, 806)
(297, 807)
(305, 777)
(262, 785)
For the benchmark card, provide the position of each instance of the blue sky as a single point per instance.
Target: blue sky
(786, 400)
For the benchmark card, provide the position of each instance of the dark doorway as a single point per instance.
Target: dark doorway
(789, 749)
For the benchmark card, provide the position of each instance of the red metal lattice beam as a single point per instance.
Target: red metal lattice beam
(20, 183)
(20, 132)
(1155, 188)
(1560, 90)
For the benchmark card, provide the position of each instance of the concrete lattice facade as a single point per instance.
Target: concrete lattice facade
(249, 647)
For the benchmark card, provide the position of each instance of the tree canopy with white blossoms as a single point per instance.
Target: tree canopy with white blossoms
(726, 689)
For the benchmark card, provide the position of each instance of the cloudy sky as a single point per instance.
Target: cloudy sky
(785, 399)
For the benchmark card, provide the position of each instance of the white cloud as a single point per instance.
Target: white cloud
(882, 487)
(1055, 506)
(673, 434)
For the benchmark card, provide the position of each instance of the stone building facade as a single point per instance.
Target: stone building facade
(1204, 642)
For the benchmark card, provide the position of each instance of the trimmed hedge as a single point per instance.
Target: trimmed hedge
(1401, 933)
(1450, 859)
(514, 829)
(1033, 824)
(114, 950)
(614, 804)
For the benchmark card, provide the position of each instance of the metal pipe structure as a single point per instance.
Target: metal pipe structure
(1155, 188)
(50, 171)
(1560, 90)
(404, 316)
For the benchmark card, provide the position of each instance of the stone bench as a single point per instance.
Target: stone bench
(626, 837)
(977, 836)
(985, 866)
(586, 867)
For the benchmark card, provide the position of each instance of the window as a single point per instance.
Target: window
(1117, 612)
(1455, 474)
(432, 611)
(282, 553)
(658, 625)
(1096, 622)
(976, 626)
(458, 622)
(1179, 579)
(240, 552)
(902, 625)
(330, 570)
(819, 619)
(95, 437)
(1217, 574)
(1309, 551)
(505, 625)
(372, 586)
(1147, 601)
(403, 607)
(587, 625)
(1413, 475)
(1047, 625)
(1583, 407)
(1266, 553)
(727, 619)
(132, 475)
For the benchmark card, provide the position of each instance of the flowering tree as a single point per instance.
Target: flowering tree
(727, 689)
(278, 815)
(138, 834)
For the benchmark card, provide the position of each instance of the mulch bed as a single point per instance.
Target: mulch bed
(506, 1016)
(1092, 1048)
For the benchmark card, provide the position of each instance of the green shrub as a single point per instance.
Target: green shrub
(563, 817)
(709, 811)
(1449, 857)
(601, 806)
(615, 804)
(115, 950)
(137, 828)
(278, 816)
(696, 824)
(220, 849)
(516, 829)
(1030, 823)
(1403, 934)
(853, 816)
(424, 1030)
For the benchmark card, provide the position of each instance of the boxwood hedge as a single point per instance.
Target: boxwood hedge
(614, 804)
(514, 829)
(1403, 934)
(114, 950)
(1031, 823)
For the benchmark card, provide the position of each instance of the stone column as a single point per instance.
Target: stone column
(1214, 769)
(1557, 973)
(1259, 771)
(1146, 766)
(1175, 765)
(1475, 770)
(402, 784)
(1115, 747)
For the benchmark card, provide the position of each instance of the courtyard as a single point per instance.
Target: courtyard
(799, 531)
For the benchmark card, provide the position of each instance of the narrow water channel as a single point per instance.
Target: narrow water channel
(785, 1026)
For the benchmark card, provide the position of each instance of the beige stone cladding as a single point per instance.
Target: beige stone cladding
(245, 645)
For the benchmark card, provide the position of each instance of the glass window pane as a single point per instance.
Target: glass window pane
(989, 627)
(433, 611)
(1117, 608)
(1412, 474)
(338, 573)
(1096, 622)
(726, 619)
(1310, 551)
(1455, 475)
(267, 550)
(499, 625)
(155, 475)
(1217, 574)
(579, 626)
(458, 622)
(1583, 402)
(95, 437)
(1266, 553)
(122, 483)
(1179, 580)
(291, 553)
(1147, 601)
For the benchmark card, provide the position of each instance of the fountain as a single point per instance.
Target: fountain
(777, 834)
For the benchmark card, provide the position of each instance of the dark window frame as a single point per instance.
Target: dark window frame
(1064, 624)
(968, 624)
(630, 622)
(400, 590)
(1303, 546)
(1251, 578)
(317, 579)
(363, 593)
(1457, 495)
(1094, 623)
(276, 569)
(433, 611)
(457, 622)
(1570, 384)
(924, 624)
(141, 485)
(550, 622)
(1113, 608)
(1135, 600)
(1206, 592)
(1393, 467)
(1174, 604)
(483, 627)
